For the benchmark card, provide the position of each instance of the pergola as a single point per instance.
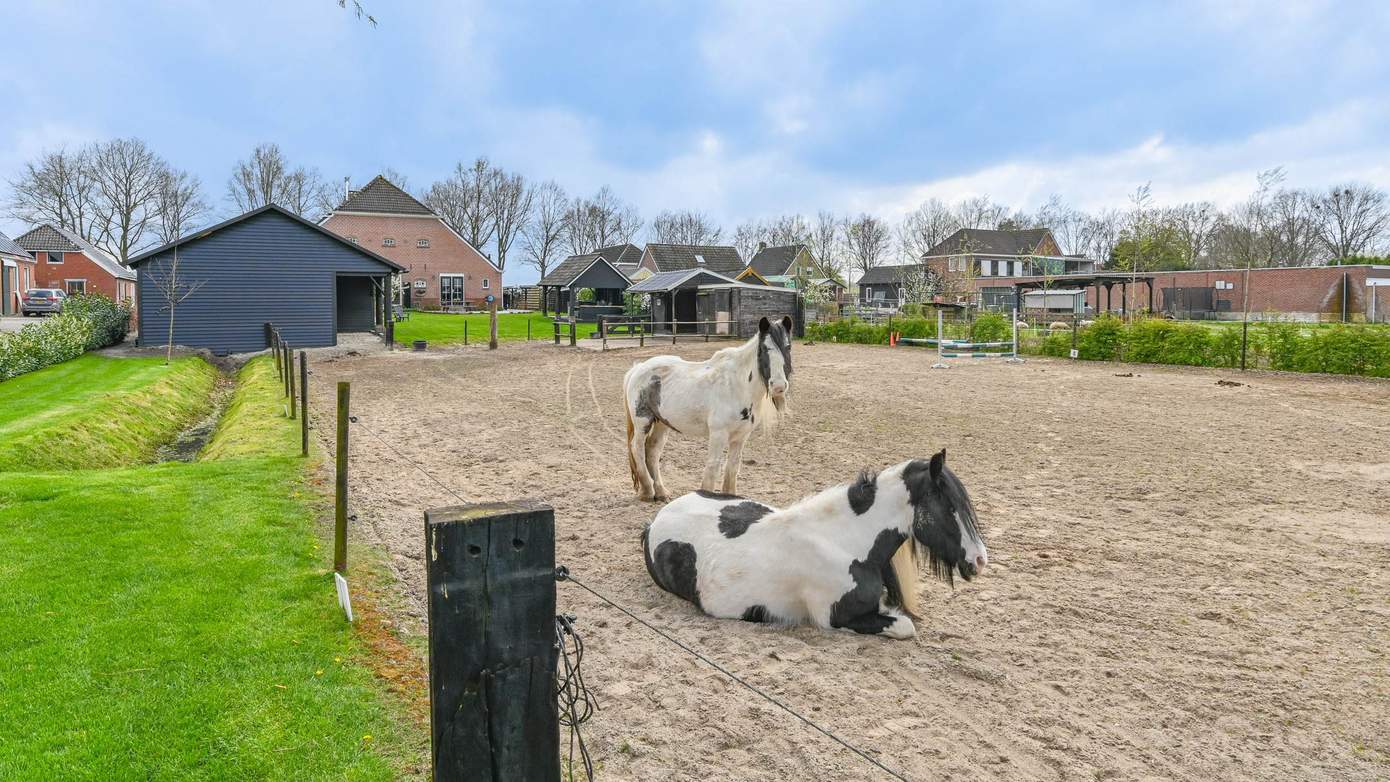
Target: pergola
(1099, 281)
(584, 271)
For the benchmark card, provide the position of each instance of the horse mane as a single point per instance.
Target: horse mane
(902, 577)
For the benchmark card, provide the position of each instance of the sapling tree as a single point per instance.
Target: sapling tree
(173, 289)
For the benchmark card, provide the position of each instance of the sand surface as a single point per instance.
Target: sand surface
(1188, 581)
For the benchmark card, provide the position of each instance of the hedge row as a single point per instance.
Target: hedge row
(1340, 349)
(87, 323)
(988, 327)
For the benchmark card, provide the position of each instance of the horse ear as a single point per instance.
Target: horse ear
(937, 463)
(763, 325)
(787, 324)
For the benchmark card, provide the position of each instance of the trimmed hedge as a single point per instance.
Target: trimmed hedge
(859, 332)
(86, 323)
(1340, 349)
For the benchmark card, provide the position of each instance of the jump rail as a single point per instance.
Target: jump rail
(645, 327)
(947, 347)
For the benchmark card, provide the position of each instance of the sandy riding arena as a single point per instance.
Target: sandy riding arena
(1188, 580)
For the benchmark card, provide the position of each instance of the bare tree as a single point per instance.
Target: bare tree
(924, 228)
(465, 201)
(543, 234)
(1068, 224)
(181, 204)
(172, 288)
(1194, 225)
(866, 242)
(685, 227)
(1102, 232)
(127, 174)
(601, 221)
(747, 237)
(1351, 218)
(358, 11)
(824, 240)
(59, 188)
(1296, 236)
(980, 212)
(267, 178)
(510, 199)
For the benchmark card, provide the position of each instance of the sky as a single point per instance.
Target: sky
(737, 109)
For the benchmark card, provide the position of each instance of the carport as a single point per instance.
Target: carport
(266, 266)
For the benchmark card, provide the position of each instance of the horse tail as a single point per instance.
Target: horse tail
(902, 577)
(627, 445)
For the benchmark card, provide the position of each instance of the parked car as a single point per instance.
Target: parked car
(42, 301)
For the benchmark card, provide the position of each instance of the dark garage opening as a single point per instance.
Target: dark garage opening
(356, 304)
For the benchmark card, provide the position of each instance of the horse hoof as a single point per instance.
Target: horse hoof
(661, 498)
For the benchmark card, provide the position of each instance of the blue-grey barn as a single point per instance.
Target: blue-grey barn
(266, 266)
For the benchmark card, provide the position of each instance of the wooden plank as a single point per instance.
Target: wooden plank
(341, 480)
(490, 574)
(304, 403)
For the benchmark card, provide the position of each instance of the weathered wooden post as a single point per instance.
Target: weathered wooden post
(490, 573)
(289, 362)
(289, 373)
(275, 349)
(528, 328)
(491, 322)
(465, 329)
(340, 513)
(303, 403)
(573, 325)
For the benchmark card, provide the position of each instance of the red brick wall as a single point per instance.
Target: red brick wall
(1305, 292)
(77, 266)
(447, 254)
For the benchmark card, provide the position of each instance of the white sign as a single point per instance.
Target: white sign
(344, 600)
(1074, 352)
(1377, 282)
(420, 284)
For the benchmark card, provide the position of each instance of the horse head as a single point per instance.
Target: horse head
(775, 357)
(944, 521)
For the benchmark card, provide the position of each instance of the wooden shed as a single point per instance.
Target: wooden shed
(266, 266)
(694, 300)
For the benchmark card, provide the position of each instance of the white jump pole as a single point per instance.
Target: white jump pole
(940, 337)
(1015, 328)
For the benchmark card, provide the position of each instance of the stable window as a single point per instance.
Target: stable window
(76, 287)
(486, 281)
(55, 257)
(422, 243)
(868, 293)
(388, 242)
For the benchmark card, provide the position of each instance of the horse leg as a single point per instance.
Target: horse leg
(887, 622)
(637, 451)
(714, 460)
(655, 441)
(731, 463)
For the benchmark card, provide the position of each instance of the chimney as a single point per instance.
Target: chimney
(347, 193)
(762, 246)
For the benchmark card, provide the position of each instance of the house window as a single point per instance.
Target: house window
(422, 243)
(76, 287)
(486, 281)
(986, 268)
(451, 290)
(388, 242)
(352, 239)
(55, 257)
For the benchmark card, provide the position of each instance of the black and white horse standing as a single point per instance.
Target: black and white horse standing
(723, 399)
(829, 559)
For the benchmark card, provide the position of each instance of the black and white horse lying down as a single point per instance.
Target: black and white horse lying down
(835, 559)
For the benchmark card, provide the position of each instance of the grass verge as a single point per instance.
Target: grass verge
(177, 621)
(95, 412)
(439, 328)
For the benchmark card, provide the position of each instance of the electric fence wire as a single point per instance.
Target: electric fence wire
(575, 701)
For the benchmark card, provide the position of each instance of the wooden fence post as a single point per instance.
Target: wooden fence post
(341, 484)
(285, 362)
(465, 329)
(289, 362)
(303, 403)
(275, 348)
(490, 576)
(573, 326)
(492, 325)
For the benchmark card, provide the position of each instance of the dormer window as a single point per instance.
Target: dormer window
(422, 243)
(388, 242)
(700, 259)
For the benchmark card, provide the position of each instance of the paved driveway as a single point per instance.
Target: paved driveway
(14, 322)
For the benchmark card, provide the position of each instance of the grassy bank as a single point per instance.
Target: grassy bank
(177, 621)
(93, 412)
(445, 329)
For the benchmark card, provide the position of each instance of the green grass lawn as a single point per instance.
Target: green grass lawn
(177, 621)
(439, 328)
(99, 412)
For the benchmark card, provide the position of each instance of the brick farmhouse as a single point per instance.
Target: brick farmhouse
(442, 270)
(65, 260)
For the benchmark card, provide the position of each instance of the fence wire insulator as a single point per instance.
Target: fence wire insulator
(576, 703)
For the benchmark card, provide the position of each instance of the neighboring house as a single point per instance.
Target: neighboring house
(621, 255)
(972, 254)
(16, 274)
(887, 286)
(266, 266)
(442, 270)
(789, 261)
(681, 257)
(560, 288)
(65, 260)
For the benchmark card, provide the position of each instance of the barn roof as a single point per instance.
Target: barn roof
(572, 270)
(8, 247)
(663, 282)
(381, 197)
(677, 257)
(206, 232)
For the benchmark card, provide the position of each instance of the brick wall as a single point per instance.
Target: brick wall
(446, 254)
(1307, 293)
(77, 266)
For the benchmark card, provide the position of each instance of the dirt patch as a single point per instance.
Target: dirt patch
(1186, 583)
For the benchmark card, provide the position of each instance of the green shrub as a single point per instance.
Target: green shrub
(1283, 340)
(1102, 340)
(911, 310)
(990, 327)
(110, 321)
(86, 323)
(1158, 341)
(857, 331)
(1055, 345)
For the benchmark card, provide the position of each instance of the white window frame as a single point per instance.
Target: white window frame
(986, 268)
(48, 257)
(423, 244)
(487, 283)
(67, 282)
(463, 299)
(389, 241)
(868, 293)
